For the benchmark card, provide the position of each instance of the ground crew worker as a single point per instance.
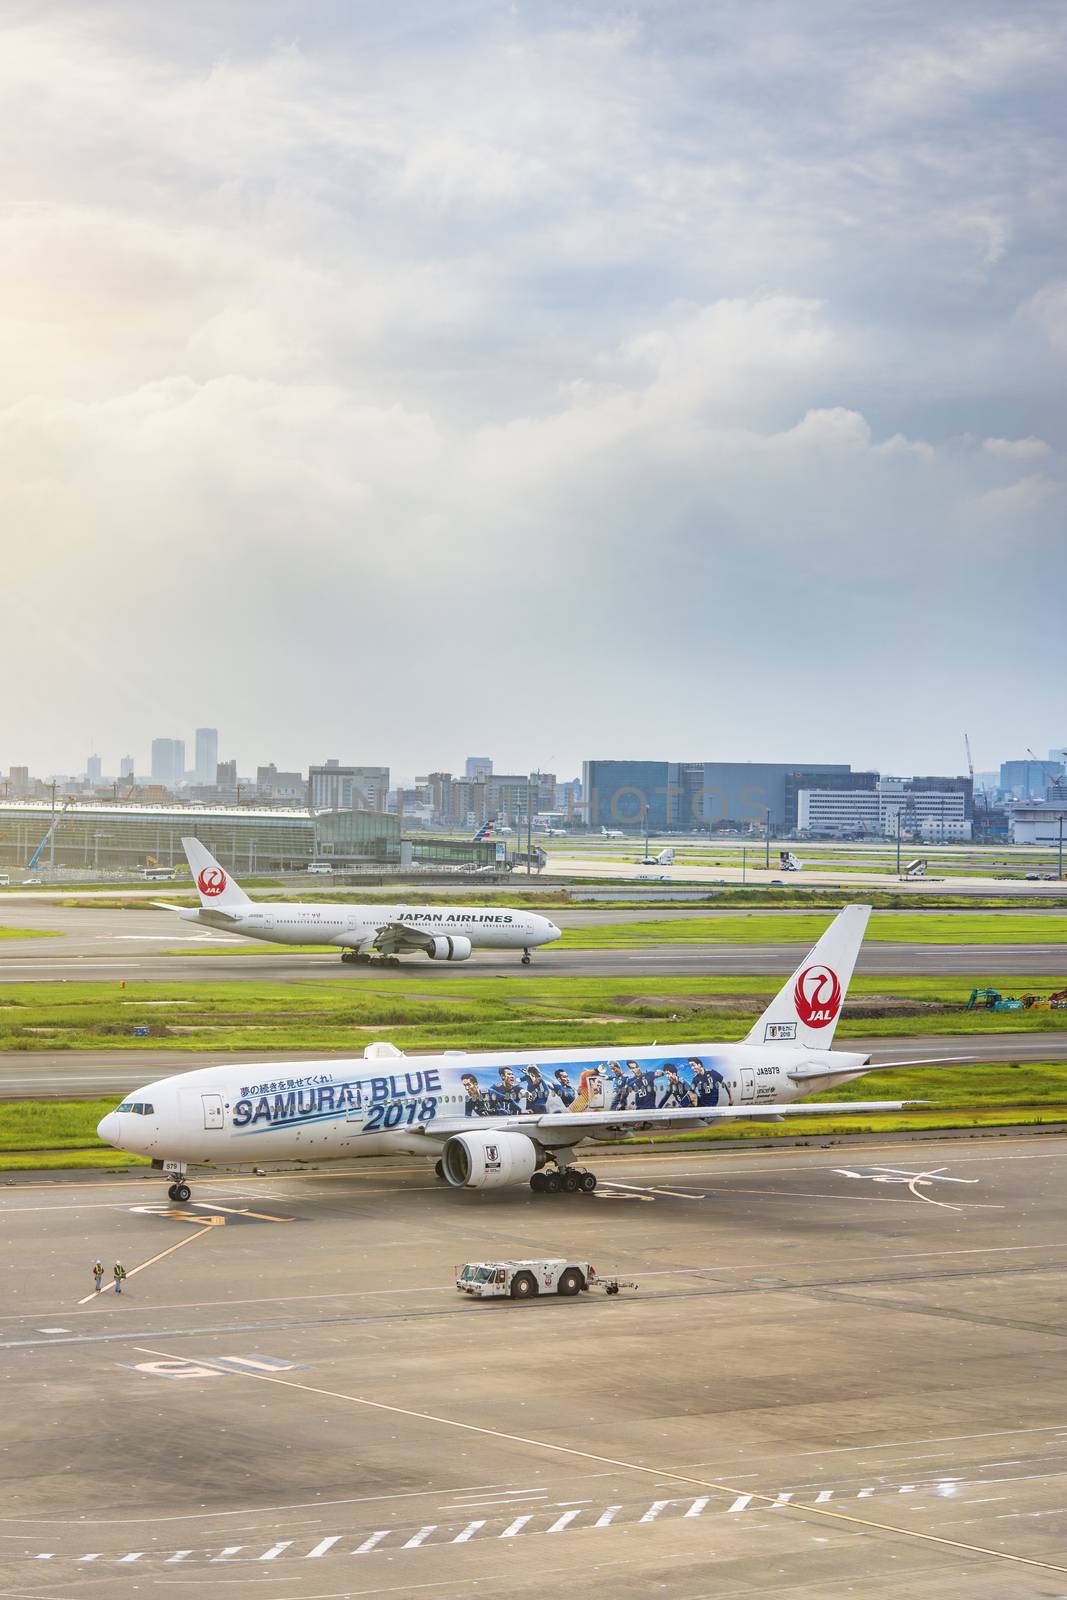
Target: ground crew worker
(120, 1273)
(98, 1274)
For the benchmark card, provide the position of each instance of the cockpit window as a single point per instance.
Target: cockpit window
(148, 1109)
(139, 1108)
(125, 1106)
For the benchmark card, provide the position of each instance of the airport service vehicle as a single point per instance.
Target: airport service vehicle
(5, 879)
(158, 874)
(788, 862)
(323, 869)
(496, 1118)
(523, 1280)
(443, 933)
(664, 859)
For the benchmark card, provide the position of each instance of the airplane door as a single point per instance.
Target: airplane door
(212, 1110)
(748, 1084)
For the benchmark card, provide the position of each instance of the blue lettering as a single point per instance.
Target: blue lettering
(432, 1080)
(305, 1102)
(284, 1107)
(326, 1098)
(379, 1088)
(262, 1111)
(242, 1111)
(413, 1080)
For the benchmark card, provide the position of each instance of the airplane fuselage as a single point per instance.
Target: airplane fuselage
(320, 1111)
(356, 927)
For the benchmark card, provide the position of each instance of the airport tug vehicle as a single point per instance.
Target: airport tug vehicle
(522, 1280)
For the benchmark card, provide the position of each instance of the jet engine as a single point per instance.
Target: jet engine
(448, 947)
(488, 1160)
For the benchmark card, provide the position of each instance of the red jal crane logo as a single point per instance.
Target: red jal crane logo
(211, 881)
(817, 996)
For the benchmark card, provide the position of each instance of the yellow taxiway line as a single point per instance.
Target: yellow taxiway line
(214, 1222)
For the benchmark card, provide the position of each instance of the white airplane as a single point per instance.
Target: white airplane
(664, 859)
(611, 833)
(553, 833)
(506, 1117)
(444, 933)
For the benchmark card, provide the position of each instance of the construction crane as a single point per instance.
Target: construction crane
(1051, 778)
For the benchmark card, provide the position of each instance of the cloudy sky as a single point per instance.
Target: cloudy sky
(544, 380)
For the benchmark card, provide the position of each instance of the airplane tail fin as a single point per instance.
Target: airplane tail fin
(806, 1009)
(484, 832)
(217, 890)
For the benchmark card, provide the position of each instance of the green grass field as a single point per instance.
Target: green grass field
(922, 927)
(30, 933)
(338, 1013)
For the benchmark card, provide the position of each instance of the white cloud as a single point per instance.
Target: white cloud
(341, 369)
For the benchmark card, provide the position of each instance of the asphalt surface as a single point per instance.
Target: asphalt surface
(88, 1074)
(103, 944)
(838, 1376)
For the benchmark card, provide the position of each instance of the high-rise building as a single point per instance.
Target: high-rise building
(477, 767)
(168, 762)
(126, 767)
(207, 755)
(332, 787)
(18, 780)
(1027, 780)
(94, 771)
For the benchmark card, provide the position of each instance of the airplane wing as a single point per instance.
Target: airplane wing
(538, 1124)
(394, 937)
(816, 1069)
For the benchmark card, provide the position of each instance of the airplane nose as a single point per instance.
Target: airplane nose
(551, 931)
(107, 1128)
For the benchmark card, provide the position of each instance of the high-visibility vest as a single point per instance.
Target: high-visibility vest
(120, 1272)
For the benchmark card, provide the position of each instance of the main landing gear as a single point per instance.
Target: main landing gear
(359, 959)
(563, 1180)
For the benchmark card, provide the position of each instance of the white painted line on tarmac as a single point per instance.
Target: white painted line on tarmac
(632, 1466)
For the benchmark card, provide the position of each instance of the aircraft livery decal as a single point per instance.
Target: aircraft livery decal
(379, 1103)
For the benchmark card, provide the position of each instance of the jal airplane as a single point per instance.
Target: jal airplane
(499, 1117)
(444, 933)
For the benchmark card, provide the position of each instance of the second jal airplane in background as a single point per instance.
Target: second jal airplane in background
(444, 933)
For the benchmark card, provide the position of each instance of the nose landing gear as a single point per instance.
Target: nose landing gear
(180, 1191)
(526, 958)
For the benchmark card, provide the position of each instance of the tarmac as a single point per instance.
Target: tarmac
(104, 944)
(841, 1375)
(88, 1074)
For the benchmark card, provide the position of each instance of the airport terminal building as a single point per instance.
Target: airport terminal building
(103, 837)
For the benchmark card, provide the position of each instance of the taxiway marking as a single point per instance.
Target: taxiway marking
(199, 1234)
(634, 1466)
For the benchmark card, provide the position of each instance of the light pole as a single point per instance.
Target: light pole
(1060, 868)
(767, 843)
(744, 856)
(898, 841)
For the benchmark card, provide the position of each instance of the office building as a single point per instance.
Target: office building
(331, 787)
(477, 767)
(700, 794)
(274, 785)
(935, 810)
(126, 769)
(1027, 780)
(168, 762)
(94, 771)
(207, 755)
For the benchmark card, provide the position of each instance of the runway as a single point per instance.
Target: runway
(836, 1377)
(106, 944)
(89, 1074)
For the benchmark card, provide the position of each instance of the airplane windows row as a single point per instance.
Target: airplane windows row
(140, 1108)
